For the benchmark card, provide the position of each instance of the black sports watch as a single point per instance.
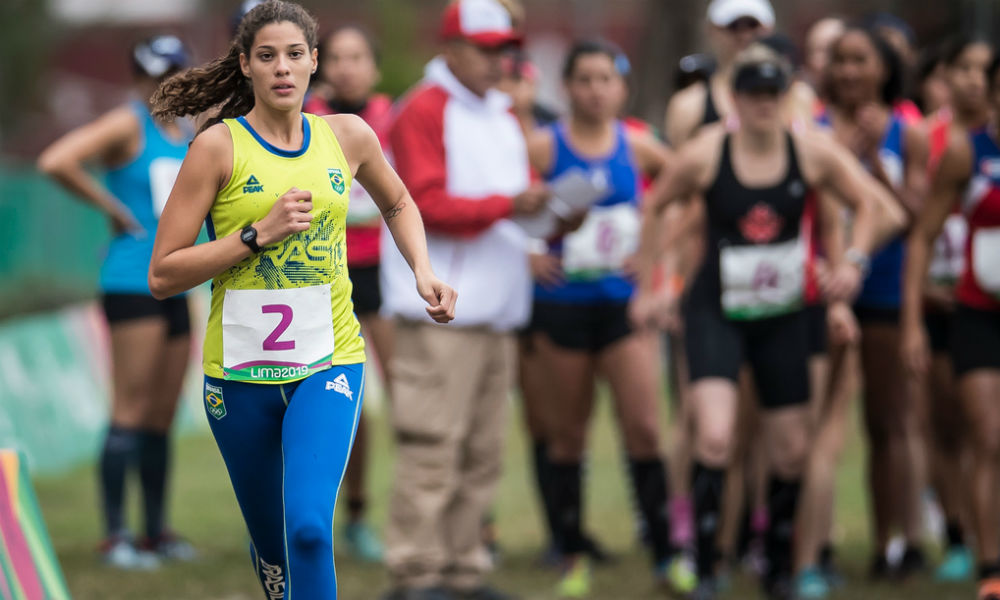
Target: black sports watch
(249, 237)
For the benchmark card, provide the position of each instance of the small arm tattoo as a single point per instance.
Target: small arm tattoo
(395, 210)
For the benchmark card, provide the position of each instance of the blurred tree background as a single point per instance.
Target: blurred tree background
(63, 61)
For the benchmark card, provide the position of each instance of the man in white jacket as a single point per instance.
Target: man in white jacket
(462, 155)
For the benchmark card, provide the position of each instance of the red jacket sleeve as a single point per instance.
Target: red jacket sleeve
(417, 141)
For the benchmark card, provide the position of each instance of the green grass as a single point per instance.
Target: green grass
(204, 509)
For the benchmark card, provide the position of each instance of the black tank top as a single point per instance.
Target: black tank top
(740, 215)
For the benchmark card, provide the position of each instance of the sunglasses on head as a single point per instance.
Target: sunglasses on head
(743, 24)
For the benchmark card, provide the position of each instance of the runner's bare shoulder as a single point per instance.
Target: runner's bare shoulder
(685, 112)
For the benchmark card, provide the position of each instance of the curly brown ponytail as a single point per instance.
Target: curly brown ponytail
(220, 84)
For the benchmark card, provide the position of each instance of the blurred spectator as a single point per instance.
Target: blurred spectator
(930, 84)
(345, 82)
(817, 52)
(520, 82)
(150, 338)
(732, 26)
(450, 385)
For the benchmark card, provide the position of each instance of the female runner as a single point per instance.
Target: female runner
(284, 368)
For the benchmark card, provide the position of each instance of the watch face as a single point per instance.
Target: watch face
(248, 235)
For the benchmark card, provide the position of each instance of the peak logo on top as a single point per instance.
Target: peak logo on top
(253, 185)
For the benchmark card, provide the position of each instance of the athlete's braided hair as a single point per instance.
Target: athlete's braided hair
(220, 84)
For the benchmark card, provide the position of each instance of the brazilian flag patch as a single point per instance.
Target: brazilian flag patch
(214, 402)
(336, 180)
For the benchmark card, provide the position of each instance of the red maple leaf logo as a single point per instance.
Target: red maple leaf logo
(761, 224)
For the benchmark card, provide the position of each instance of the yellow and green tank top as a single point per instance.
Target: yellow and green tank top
(286, 312)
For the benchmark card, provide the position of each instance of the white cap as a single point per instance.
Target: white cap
(724, 12)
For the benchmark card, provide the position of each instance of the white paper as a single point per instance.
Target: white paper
(573, 192)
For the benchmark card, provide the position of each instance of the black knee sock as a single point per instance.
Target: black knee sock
(649, 482)
(782, 502)
(953, 535)
(826, 554)
(565, 482)
(119, 453)
(706, 488)
(543, 480)
(154, 459)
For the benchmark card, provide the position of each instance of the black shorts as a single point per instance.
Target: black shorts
(776, 348)
(366, 292)
(126, 307)
(586, 327)
(816, 323)
(975, 339)
(938, 325)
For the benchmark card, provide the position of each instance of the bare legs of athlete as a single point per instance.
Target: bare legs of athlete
(834, 383)
(891, 423)
(631, 365)
(979, 390)
(147, 373)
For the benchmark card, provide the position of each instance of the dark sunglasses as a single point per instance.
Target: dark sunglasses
(743, 24)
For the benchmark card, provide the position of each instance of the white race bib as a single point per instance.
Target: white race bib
(361, 210)
(949, 256)
(986, 259)
(276, 335)
(762, 281)
(162, 175)
(608, 236)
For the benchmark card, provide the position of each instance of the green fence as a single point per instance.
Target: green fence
(51, 245)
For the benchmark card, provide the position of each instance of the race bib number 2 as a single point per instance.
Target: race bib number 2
(276, 335)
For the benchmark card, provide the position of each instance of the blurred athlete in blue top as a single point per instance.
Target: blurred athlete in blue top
(150, 339)
(580, 310)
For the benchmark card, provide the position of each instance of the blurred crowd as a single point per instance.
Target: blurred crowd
(806, 226)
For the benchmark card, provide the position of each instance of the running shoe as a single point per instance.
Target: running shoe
(989, 589)
(811, 584)
(678, 574)
(575, 582)
(119, 552)
(170, 547)
(362, 542)
(956, 566)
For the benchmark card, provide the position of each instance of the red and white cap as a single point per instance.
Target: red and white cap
(485, 23)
